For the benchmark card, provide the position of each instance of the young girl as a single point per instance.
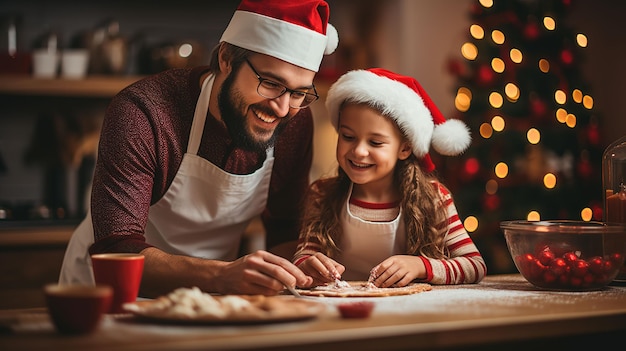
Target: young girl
(385, 217)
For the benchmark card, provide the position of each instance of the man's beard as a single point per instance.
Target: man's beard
(231, 105)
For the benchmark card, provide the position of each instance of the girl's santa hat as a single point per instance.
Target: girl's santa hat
(403, 99)
(296, 31)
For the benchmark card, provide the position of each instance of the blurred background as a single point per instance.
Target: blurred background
(538, 82)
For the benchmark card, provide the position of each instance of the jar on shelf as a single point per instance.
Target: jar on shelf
(614, 186)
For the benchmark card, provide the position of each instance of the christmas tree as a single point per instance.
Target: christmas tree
(536, 151)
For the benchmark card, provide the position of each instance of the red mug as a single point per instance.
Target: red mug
(121, 271)
(77, 309)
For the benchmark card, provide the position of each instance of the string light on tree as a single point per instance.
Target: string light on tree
(537, 150)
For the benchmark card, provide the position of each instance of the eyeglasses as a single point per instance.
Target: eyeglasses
(270, 89)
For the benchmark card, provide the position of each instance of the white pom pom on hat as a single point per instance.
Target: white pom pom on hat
(295, 31)
(403, 99)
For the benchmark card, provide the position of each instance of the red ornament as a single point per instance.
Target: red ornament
(491, 202)
(567, 57)
(485, 74)
(455, 67)
(585, 169)
(593, 134)
(538, 107)
(597, 211)
(471, 166)
(531, 31)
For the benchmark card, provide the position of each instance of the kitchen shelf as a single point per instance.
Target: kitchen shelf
(96, 86)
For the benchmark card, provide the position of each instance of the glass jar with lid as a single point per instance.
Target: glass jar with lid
(614, 187)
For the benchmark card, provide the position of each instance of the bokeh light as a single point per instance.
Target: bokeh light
(533, 136)
(588, 102)
(561, 115)
(469, 51)
(516, 55)
(570, 120)
(533, 216)
(581, 40)
(477, 31)
(495, 99)
(560, 97)
(501, 170)
(497, 123)
(491, 187)
(471, 224)
(463, 99)
(485, 130)
(549, 180)
(497, 37)
(497, 65)
(549, 23)
(512, 92)
(577, 96)
(544, 66)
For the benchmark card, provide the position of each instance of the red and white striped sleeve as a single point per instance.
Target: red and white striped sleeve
(465, 264)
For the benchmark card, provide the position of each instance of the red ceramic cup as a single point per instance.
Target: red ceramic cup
(77, 309)
(121, 271)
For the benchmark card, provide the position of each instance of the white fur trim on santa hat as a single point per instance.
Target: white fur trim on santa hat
(333, 39)
(286, 41)
(402, 103)
(451, 137)
(393, 98)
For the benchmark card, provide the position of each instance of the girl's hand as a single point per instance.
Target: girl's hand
(322, 269)
(398, 271)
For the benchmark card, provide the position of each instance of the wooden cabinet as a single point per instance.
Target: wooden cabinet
(30, 257)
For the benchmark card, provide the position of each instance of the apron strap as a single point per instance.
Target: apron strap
(199, 117)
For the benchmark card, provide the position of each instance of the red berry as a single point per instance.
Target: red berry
(570, 257)
(616, 258)
(558, 266)
(359, 309)
(524, 262)
(536, 269)
(596, 265)
(580, 268)
(545, 256)
(549, 277)
(608, 266)
(575, 281)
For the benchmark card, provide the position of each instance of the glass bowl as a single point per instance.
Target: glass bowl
(566, 255)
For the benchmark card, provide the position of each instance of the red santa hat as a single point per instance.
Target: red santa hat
(403, 99)
(296, 31)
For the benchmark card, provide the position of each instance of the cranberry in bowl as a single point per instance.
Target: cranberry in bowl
(566, 255)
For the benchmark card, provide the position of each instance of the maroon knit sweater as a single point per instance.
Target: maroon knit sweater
(143, 140)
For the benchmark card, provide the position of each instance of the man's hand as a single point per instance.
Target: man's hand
(260, 272)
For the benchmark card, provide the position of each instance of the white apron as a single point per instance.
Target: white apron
(203, 213)
(365, 244)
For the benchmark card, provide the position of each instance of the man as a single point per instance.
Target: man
(188, 157)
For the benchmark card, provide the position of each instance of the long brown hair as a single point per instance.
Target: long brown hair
(421, 203)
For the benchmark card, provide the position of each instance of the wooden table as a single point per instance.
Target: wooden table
(502, 312)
